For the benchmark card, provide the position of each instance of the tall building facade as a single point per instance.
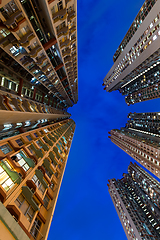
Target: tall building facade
(32, 165)
(140, 139)
(38, 82)
(136, 199)
(135, 72)
(38, 50)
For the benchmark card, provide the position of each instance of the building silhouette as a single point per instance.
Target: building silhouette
(140, 139)
(136, 200)
(135, 72)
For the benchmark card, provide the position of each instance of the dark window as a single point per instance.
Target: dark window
(35, 134)
(46, 201)
(19, 142)
(5, 148)
(29, 138)
(35, 228)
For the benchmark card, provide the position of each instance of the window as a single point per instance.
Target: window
(46, 201)
(5, 181)
(35, 134)
(46, 130)
(4, 32)
(35, 228)
(19, 142)
(52, 186)
(29, 138)
(25, 207)
(18, 158)
(39, 185)
(39, 145)
(5, 148)
(47, 172)
(45, 140)
(56, 174)
(30, 149)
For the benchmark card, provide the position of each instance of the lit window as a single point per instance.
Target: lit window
(5, 180)
(18, 158)
(151, 25)
(155, 37)
(40, 186)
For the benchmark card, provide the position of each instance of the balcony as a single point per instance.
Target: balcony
(62, 31)
(27, 61)
(60, 15)
(52, 138)
(12, 19)
(40, 176)
(47, 165)
(28, 194)
(44, 146)
(41, 60)
(68, 65)
(67, 59)
(43, 214)
(71, 15)
(34, 52)
(4, 40)
(27, 38)
(39, 152)
(12, 174)
(3, 105)
(67, 52)
(54, 179)
(16, 28)
(50, 193)
(65, 43)
(37, 193)
(57, 153)
(45, 67)
(16, 166)
(48, 141)
(74, 60)
(72, 29)
(29, 161)
(74, 54)
(52, 157)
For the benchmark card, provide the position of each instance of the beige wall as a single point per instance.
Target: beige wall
(9, 228)
(5, 233)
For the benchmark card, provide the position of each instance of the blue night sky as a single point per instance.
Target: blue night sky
(84, 208)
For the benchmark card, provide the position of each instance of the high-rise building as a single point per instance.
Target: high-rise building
(140, 139)
(32, 165)
(38, 50)
(135, 72)
(136, 199)
(38, 82)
